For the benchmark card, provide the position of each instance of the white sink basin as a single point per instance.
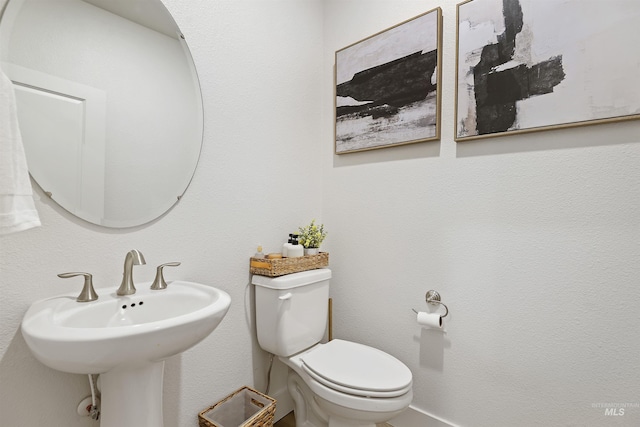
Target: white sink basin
(126, 338)
(148, 326)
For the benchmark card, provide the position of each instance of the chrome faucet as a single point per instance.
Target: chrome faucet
(133, 257)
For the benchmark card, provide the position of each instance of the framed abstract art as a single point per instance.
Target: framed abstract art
(531, 65)
(387, 87)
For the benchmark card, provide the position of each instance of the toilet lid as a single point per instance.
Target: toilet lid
(358, 369)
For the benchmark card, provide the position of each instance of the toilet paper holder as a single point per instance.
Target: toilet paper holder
(433, 297)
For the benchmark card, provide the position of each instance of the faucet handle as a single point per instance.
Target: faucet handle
(88, 293)
(158, 282)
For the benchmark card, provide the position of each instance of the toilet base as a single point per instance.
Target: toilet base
(337, 422)
(306, 411)
(346, 417)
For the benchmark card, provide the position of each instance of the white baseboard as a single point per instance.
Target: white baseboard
(414, 417)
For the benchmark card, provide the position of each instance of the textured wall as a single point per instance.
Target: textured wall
(261, 88)
(532, 241)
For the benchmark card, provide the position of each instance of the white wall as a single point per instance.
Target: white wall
(532, 241)
(257, 180)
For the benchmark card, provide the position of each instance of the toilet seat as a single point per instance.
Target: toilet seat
(357, 369)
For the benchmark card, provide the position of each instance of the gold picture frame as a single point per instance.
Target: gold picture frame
(521, 67)
(387, 86)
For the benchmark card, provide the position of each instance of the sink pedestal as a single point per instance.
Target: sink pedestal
(119, 336)
(132, 396)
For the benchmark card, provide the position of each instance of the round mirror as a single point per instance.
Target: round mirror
(109, 104)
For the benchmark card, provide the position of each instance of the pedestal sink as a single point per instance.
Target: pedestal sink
(125, 339)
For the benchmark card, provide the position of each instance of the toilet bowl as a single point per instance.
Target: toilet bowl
(336, 384)
(353, 383)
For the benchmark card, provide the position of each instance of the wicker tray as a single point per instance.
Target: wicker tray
(282, 266)
(245, 407)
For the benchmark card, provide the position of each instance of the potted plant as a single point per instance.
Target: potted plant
(311, 237)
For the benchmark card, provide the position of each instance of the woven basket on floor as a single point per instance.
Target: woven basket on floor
(282, 266)
(245, 407)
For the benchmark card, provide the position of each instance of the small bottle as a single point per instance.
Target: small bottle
(285, 247)
(259, 254)
(295, 249)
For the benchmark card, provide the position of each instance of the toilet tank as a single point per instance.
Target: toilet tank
(291, 310)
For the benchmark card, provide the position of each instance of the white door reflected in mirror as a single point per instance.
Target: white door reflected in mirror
(110, 109)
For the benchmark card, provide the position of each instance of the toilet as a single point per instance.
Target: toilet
(335, 384)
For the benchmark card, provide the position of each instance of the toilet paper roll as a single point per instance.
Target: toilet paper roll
(433, 320)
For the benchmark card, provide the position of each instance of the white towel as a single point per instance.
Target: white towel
(17, 209)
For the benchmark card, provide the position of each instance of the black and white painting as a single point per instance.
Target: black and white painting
(528, 65)
(387, 87)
